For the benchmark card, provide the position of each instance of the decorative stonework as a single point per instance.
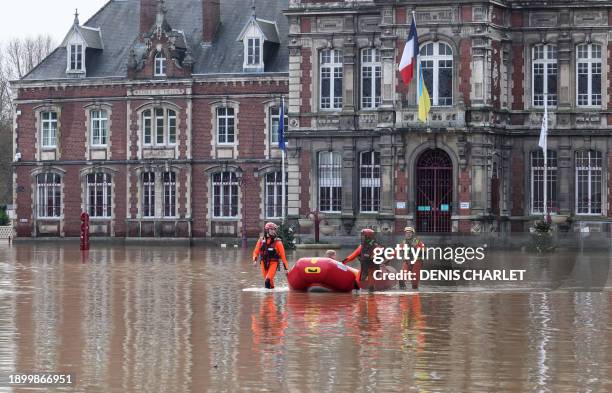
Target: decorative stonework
(590, 18)
(369, 24)
(543, 19)
(438, 15)
(330, 25)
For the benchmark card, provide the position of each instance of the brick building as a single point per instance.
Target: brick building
(358, 153)
(158, 119)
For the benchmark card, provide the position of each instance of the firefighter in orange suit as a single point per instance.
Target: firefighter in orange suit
(269, 249)
(414, 266)
(365, 253)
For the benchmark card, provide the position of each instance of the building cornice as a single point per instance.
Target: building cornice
(122, 81)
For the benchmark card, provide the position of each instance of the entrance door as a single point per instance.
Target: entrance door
(434, 191)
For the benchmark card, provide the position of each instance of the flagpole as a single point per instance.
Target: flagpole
(545, 148)
(281, 118)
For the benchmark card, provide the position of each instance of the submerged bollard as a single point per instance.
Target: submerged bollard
(84, 231)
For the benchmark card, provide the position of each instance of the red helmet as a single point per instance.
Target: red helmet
(270, 225)
(368, 233)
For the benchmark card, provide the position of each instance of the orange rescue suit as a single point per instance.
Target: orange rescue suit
(270, 265)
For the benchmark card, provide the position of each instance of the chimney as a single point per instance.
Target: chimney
(148, 11)
(211, 10)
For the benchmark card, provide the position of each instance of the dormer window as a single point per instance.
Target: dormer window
(76, 58)
(260, 38)
(160, 64)
(253, 55)
(79, 41)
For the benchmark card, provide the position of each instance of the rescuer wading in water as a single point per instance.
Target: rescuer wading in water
(365, 253)
(413, 266)
(269, 249)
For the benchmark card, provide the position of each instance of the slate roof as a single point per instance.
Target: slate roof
(119, 23)
(92, 36)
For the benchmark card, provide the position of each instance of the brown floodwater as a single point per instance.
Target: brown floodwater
(178, 319)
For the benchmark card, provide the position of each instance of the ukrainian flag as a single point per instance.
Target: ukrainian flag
(423, 98)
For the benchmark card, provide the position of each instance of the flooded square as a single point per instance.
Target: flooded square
(171, 318)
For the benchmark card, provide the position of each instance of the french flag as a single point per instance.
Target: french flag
(409, 56)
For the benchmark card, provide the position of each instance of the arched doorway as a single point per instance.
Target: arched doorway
(434, 191)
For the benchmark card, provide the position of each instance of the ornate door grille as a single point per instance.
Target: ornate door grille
(434, 191)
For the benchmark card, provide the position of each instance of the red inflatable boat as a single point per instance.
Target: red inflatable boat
(322, 272)
(326, 273)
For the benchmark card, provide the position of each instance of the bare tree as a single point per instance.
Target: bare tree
(17, 58)
(22, 55)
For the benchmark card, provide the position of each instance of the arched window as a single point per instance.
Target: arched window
(49, 195)
(99, 127)
(330, 182)
(369, 175)
(274, 124)
(437, 65)
(588, 75)
(544, 74)
(225, 195)
(226, 122)
(588, 182)
(537, 181)
(274, 195)
(48, 129)
(99, 192)
(331, 78)
(371, 71)
(160, 64)
(159, 127)
(148, 194)
(169, 194)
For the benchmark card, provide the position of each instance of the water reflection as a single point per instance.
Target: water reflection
(176, 319)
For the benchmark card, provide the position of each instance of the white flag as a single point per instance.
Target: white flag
(544, 131)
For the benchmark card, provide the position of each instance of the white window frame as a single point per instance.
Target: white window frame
(331, 64)
(99, 127)
(546, 56)
(100, 186)
(371, 74)
(156, 125)
(76, 57)
(586, 56)
(253, 51)
(274, 195)
(537, 177)
(594, 174)
(148, 194)
(438, 61)
(369, 181)
(274, 123)
(160, 64)
(49, 188)
(330, 179)
(48, 129)
(220, 194)
(226, 121)
(169, 202)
